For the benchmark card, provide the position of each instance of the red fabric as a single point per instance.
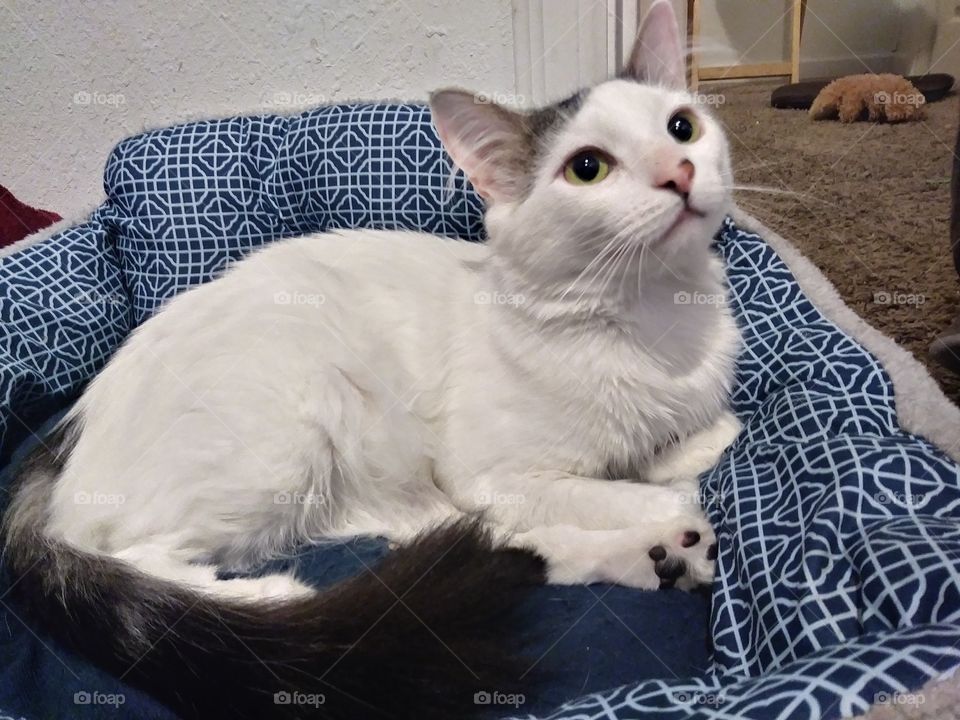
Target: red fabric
(18, 220)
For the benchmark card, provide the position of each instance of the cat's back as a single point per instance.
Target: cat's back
(376, 279)
(392, 260)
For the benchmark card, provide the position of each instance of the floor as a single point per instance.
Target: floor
(869, 204)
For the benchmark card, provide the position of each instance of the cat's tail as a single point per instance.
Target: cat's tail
(421, 636)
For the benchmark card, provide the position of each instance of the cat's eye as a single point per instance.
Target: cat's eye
(587, 167)
(684, 126)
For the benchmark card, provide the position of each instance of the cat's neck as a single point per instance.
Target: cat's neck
(625, 291)
(669, 311)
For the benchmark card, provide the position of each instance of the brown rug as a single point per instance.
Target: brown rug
(873, 211)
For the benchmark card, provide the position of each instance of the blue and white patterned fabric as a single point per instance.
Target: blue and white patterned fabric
(839, 568)
(192, 198)
(838, 581)
(64, 308)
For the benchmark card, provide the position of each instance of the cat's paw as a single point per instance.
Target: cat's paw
(678, 553)
(686, 560)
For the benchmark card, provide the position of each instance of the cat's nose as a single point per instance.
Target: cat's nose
(678, 179)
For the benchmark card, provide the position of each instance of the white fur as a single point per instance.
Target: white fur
(372, 382)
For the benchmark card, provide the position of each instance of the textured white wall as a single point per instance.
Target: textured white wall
(840, 36)
(79, 76)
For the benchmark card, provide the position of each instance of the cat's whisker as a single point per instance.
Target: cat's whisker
(620, 238)
(756, 166)
(643, 253)
(765, 190)
(601, 272)
(612, 272)
(637, 248)
(606, 249)
(630, 231)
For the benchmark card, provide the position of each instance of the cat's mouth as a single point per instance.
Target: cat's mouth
(687, 212)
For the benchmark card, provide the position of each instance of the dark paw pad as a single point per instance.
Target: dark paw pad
(657, 553)
(669, 570)
(712, 552)
(690, 538)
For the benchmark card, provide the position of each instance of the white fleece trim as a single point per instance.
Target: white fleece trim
(47, 232)
(922, 408)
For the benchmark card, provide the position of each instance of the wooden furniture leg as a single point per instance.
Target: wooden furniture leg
(790, 68)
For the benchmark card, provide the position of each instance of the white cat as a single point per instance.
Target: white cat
(385, 383)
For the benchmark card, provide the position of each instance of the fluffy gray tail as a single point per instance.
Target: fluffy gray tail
(416, 638)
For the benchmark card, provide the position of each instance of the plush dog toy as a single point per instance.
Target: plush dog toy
(877, 98)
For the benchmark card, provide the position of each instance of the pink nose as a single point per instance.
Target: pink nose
(679, 179)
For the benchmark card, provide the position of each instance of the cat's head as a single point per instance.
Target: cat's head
(631, 163)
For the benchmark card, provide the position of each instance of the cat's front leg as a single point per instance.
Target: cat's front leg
(591, 530)
(522, 501)
(681, 464)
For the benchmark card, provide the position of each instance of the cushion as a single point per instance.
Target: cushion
(187, 200)
(64, 308)
(839, 533)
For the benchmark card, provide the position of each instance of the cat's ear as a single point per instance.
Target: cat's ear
(486, 140)
(658, 57)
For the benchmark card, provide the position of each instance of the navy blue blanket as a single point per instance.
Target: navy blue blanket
(838, 570)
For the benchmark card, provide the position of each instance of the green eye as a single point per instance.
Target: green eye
(684, 126)
(587, 167)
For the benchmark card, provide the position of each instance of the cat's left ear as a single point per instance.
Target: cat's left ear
(658, 57)
(486, 140)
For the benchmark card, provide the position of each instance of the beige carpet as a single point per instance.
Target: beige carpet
(873, 208)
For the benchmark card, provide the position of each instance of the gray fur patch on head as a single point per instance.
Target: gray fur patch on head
(545, 121)
(542, 125)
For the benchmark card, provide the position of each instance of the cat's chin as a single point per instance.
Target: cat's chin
(687, 217)
(689, 227)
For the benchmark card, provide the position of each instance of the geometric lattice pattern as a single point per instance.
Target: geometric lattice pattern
(64, 308)
(839, 565)
(839, 570)
(228, 186)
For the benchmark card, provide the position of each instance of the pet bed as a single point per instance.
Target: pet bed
(838, 583)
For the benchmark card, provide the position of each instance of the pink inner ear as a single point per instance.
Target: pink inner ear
(468, 158)
(482, 138)
(658, 56)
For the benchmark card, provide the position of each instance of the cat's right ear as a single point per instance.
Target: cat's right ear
(486, 140)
